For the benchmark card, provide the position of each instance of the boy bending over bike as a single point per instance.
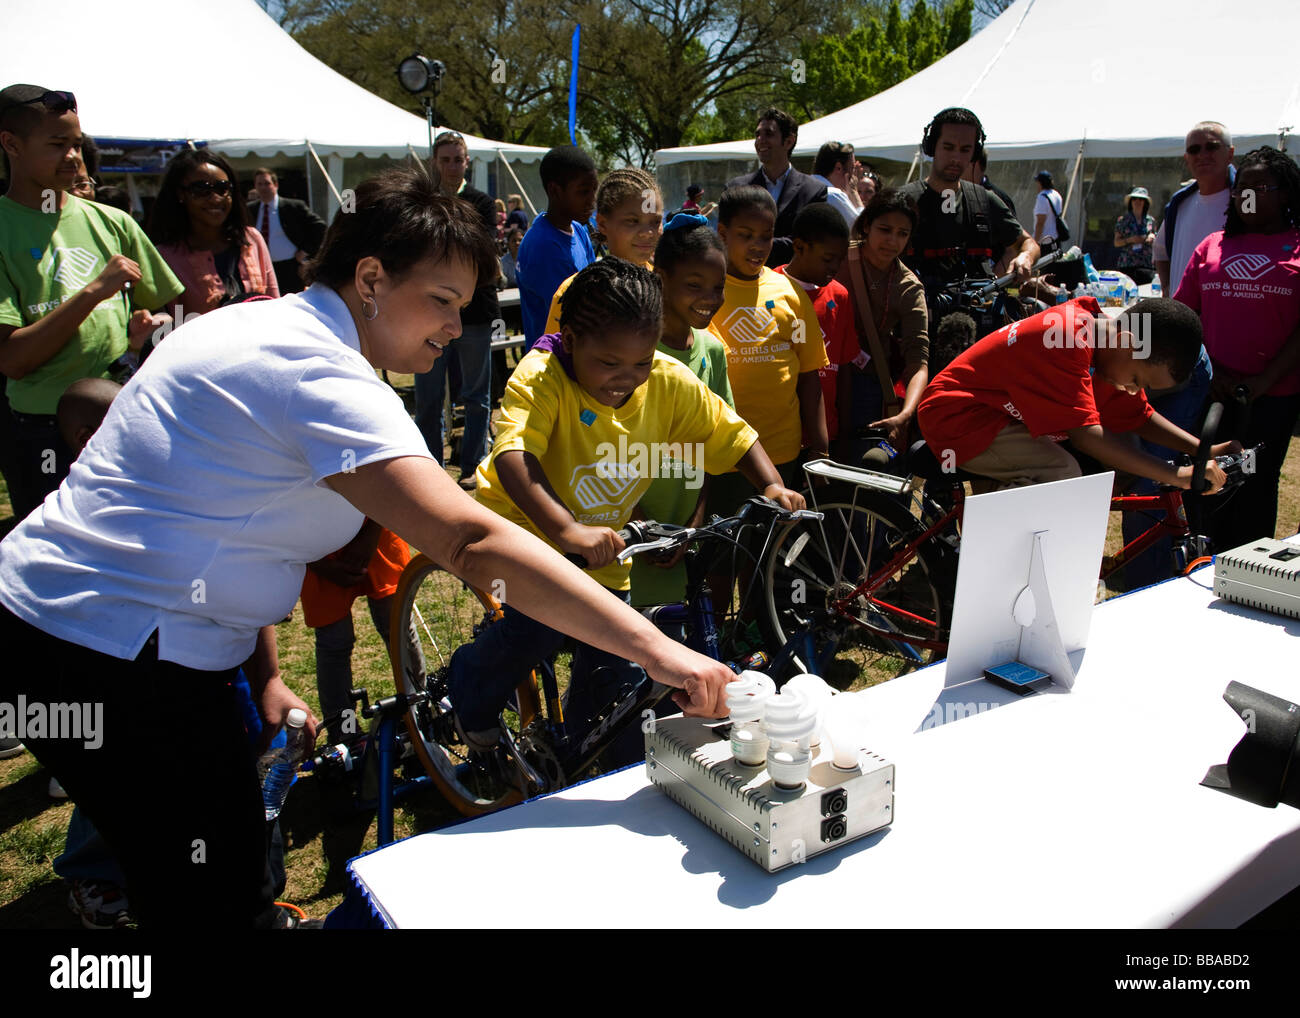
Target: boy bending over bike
(580, 418)
(1001, 407)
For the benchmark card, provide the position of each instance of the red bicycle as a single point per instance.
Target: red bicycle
(876, 576)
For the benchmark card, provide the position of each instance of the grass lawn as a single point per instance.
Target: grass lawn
(322, 830)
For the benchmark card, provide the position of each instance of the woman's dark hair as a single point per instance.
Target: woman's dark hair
(736, 200)
(1146, 206)
(90, 155)
(400, 218)
(891, 199)
(168, 221)
(676, 246)
(1284, 171)
(612, 293)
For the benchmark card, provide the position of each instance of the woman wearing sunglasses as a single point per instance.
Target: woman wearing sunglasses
(203, 233)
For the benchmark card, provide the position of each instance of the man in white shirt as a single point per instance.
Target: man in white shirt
(290, 228)
(833, 167)
(1198, 209)
(1048, 208)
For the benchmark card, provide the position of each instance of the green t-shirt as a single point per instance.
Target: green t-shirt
(49, 257)
(673, 499)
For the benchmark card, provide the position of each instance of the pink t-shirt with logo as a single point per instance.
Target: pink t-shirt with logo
(1247, 292)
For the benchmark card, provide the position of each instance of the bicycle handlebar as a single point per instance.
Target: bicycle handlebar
(651, 536)
(1208, 430)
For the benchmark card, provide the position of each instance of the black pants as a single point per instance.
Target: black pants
(1251, 511)
(173, 786)
(40, 460)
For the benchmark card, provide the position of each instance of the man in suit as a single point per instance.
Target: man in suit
(774, 140)
(473, 349)
(291, 229)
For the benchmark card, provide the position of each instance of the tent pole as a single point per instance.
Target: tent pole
(1075, 174)
(325, 173)
(510, 170)
(916, 159)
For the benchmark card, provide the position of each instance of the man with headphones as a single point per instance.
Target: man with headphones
(963, 230)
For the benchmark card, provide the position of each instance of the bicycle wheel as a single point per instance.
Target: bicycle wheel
(811, 576)
(435, 614)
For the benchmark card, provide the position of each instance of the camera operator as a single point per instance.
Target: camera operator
(963, 229)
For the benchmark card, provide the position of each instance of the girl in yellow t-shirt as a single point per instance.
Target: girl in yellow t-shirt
(629, 222)
(774, 344)
(587, 420)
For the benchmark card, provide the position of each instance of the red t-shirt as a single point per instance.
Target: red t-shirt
(1247, 292)
(835, 315)
(1037, 371)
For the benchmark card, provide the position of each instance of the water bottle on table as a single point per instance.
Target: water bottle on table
(278, 766)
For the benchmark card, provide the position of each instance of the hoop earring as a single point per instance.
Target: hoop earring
(366, 305)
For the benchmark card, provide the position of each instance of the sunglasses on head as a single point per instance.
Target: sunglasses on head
(1210, 146)
(202, 188)
(56, 102)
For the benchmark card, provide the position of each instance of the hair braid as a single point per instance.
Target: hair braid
(612, 293)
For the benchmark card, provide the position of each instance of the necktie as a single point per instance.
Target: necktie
(265, 228)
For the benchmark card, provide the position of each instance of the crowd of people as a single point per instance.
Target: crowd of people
(255, 457)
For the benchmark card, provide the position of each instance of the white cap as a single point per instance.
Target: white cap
(297, 717)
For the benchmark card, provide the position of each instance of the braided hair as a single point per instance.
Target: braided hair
(612, 293)
(1285, 172)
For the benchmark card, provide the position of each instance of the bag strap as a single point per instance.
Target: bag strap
(862, 302)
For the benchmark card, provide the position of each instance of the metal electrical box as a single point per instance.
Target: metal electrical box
(690, 760)
(1263, 574)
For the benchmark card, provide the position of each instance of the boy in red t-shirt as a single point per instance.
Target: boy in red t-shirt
(821, 243)
(1002, 406)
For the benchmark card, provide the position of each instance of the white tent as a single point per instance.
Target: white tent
(218, 71)
(1047, 75)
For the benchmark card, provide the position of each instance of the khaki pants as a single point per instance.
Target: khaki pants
(1017, 459)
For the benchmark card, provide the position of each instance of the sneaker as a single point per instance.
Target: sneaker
(56, 790)
(10, 747)
(99, 905)
(469, 482)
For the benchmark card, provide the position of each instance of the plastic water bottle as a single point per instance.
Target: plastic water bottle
(1155, 287)
(278, 766)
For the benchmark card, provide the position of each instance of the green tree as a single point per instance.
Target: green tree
(502, 77)
(878, 53)
(659, 73)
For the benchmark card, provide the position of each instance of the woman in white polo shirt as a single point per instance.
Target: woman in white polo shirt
(255, 440)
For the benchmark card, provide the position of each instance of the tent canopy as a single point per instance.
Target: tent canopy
(151, 69)
(1048, 74)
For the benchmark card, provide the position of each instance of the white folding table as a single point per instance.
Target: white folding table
(1073, 810)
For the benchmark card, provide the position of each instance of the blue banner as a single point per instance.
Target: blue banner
(573, 84)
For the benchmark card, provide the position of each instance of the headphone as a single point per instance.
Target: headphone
(930, 139)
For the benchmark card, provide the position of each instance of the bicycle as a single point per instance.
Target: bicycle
(886, 578)
(542, 751)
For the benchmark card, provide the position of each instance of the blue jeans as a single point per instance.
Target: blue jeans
(484, 673)
(1182, 408)
(474, 350)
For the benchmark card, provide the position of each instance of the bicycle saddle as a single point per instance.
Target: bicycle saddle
(921, 462)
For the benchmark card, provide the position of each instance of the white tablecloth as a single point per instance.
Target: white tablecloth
(1078, 809)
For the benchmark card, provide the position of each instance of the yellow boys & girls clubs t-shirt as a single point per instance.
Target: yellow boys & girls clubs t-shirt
(770, 329)
(601, 459)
